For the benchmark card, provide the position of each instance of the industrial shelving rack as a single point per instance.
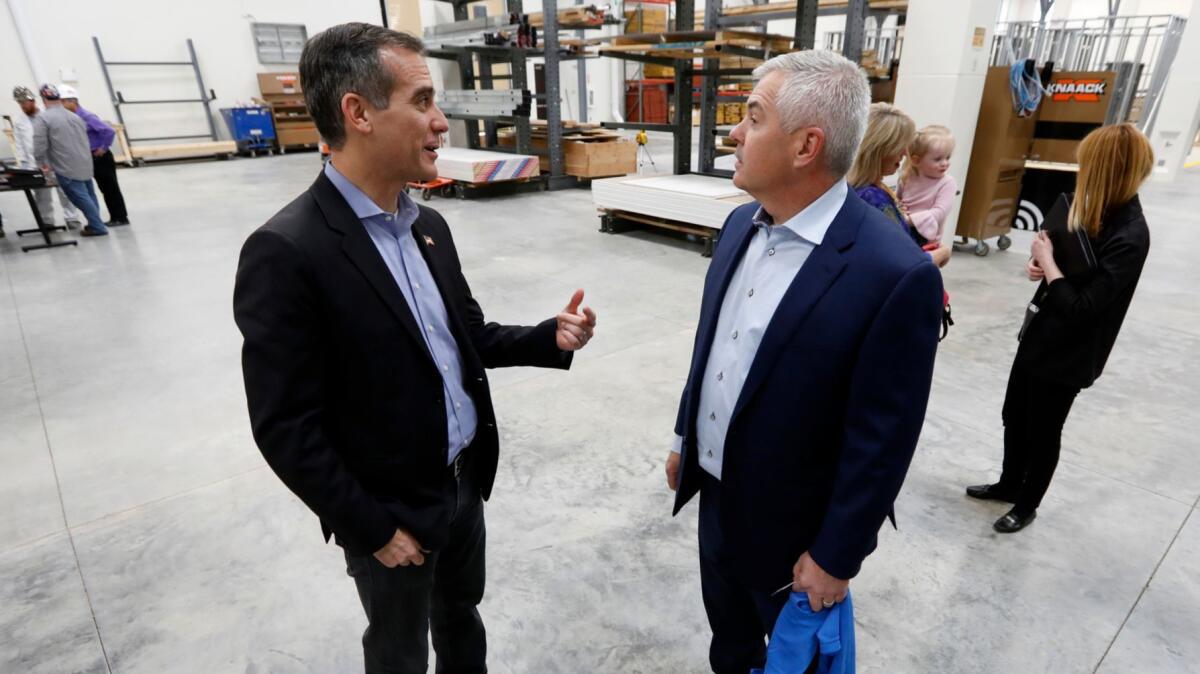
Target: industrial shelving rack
(516, 58)
(712, 74)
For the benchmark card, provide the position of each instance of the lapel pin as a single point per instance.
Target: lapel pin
(428, 240)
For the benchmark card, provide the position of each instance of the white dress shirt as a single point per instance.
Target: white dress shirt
(774, 257)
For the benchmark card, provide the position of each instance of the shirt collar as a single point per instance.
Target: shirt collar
(366, 209)
(811, 223)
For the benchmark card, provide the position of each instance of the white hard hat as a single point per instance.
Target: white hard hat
(67, 91)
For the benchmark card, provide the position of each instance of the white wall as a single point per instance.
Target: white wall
(144, 30)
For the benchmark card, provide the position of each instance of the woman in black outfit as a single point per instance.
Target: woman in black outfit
(1065, 346)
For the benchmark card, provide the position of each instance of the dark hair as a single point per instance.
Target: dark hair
(344, 59)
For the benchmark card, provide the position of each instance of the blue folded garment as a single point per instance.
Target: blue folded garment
(800, 636)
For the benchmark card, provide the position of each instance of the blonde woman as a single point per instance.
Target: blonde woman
(889, 133)
(1067, 343)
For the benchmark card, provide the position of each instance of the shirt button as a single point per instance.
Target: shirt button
(710, 453)
(445, 368)
(458, 406)
(735, 334)
(771, 251)
(429, 328)
(751, 293)
(712, 416)
(417, 286)
(720, 376)
(388, 218)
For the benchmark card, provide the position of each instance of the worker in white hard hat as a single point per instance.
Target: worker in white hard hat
(23, 135)
(100, 137)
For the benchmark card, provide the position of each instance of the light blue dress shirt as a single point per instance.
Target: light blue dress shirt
(392, 235)
(772, 260)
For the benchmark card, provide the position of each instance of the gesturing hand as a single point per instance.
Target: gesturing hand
(1033, 271)
(402, 550)
(575, 326)
(821, 587)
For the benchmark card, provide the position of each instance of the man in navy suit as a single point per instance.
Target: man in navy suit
(812, 364)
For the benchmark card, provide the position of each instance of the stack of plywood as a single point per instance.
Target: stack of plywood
(282, 93)
(481, 166)
(649, 18)
(693, 199)
(587, 153)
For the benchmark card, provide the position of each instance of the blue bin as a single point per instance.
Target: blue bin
(251, 128)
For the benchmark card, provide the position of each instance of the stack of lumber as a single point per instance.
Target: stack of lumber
(730, 113)
(701, 44)
(693, 199)
(481, 166)
(573, 17)
(790, 6)
(588, 152)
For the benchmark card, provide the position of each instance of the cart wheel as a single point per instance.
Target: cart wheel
(459, 191)
(426, 194)
(447, 191)
(982, 249)
(1003, 242)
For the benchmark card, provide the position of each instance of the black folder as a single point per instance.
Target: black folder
(1072, 249)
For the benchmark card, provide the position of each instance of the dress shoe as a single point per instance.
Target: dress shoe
(91, 231)
(992, 492)
(1013, 522)
(117, 223)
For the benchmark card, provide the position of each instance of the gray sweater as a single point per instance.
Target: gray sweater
(60, 140)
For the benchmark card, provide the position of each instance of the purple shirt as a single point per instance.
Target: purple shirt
(100, 135)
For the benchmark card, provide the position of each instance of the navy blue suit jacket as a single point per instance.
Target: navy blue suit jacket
(826, 424)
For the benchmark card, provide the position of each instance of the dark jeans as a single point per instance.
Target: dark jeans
(405, 603)
(740, 617)
(1034, 413)
(83, 195)
(106, 178)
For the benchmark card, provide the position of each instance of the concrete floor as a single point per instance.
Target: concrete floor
(144, 534)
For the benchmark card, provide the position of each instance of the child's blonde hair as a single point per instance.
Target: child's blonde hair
(889, 131)
(930, 138)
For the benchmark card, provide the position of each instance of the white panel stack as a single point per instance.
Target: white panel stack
(693, 199)
(481, 166)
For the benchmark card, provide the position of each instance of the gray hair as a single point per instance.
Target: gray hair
(824, 89)
(344, 59)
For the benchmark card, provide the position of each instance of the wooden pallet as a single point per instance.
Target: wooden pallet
(698, 44)
(221, 149)
(615, 222)
(786, 6)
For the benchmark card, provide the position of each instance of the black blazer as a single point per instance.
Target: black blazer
(1078, 319)
(345, 401)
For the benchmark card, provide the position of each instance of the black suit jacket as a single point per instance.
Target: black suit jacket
(1072, 335)
(345, 400)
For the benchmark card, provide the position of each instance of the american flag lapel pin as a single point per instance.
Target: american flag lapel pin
(428, 240)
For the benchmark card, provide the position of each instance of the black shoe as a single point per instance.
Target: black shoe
(992, 492)
(91, 231)
(117, 223)
(1013, 522)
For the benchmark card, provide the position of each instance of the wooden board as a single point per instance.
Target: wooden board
(785, 6)
(481, 166)
(691, 199)
(183, 150)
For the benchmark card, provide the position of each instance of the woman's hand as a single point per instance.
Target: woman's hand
(1034, 272)
(1042, 252)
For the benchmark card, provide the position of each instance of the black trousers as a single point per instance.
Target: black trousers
(404, 604)
(1034, 413)
(740, 617)
(105, 170)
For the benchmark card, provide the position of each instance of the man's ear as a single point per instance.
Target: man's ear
(355, 114)
(808, 144)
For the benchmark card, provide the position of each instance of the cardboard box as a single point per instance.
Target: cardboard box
(599, 157)
(640, 18)
(280, 83)
(297, 135)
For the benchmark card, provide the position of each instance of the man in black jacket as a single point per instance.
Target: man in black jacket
(364, 356)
